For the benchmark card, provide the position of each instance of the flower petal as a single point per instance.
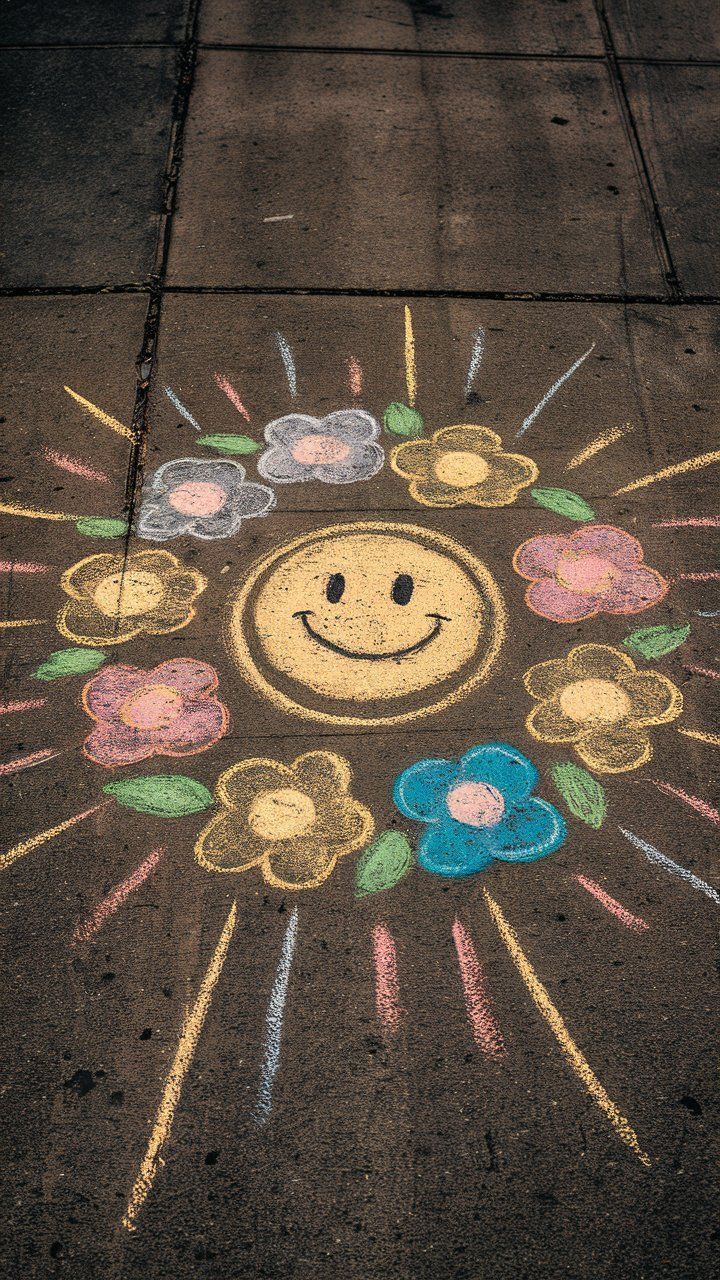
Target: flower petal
(115, 743)
(224, 524)
(163, 563)
(547, 678)
(238, 786)
(181, 470)
(365, 461)
(351, 425)
(432, 492)
(321, 774)
(608, 541)
(158, 521)
(200, 725)
(655, 699)
(412, 458)
(550, 600)
(103, 696)
(344, 825)
(186, 675)
(633, 590)
(548, 722)
(449, 849)
(277, 464)
(531, 830)
(302, 863)
(470, 437)
(171, 616)
(502, 766)
(227, 844)
(539, 556)
(615, 752)
(81, 579)
(85, 624)
(510, 472)
(598, 662)
(286, 431)
(420, 790)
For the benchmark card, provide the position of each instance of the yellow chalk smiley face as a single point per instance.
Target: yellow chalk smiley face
(370, 623)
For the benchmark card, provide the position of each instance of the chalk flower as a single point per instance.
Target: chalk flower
(204, 497)
(597, 569)
(112, 599)
(596, 700)
(459, 465)
(338, 449)
(477, 809)
(293, 821)
(168, 711)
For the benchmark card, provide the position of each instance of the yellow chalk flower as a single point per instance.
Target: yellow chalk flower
(596, 700)
(113, 600)
(293, 821)
(463, 464)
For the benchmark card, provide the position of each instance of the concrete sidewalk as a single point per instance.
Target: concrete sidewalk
(217, 215)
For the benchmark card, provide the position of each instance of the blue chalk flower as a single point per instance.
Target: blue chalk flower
(478, 808)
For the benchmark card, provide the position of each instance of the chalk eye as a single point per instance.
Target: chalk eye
(335, 587)
(402, 588)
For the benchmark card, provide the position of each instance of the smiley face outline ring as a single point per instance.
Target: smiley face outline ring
(392, 620)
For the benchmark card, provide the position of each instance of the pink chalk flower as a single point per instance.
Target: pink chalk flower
(598, 569)
(168, 711)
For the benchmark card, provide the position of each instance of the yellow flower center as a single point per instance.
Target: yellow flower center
(154, 706)
(281, 814)
(461, 468)
(136, 593)
(595, 702)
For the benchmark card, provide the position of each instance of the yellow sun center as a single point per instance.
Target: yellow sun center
(461, 468)
(595, 702)
(281, 814)
(136, 593)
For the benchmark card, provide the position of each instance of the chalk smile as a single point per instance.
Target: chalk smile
(439, 618)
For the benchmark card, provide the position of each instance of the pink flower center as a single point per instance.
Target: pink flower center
(477, 804)
(198, 498)
(312, 449)
(584, 572)
(154, 706)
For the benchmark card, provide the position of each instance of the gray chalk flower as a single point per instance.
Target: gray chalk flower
(338, 449)
(204, 497)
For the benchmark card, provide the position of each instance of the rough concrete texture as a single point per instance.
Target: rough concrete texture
(552, 188)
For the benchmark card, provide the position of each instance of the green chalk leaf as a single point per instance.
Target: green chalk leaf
(165, 795)
(69, 662)
(564, 502)
(95, 527)
(582, 793)
(401, 420)
(383, 863)
(230, 444)
(654, 642)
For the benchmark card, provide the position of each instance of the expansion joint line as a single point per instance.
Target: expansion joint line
(146, 359)
(622, 98)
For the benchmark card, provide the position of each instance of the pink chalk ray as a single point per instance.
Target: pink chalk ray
(483, 1023)
(612, 905)
(387, 987)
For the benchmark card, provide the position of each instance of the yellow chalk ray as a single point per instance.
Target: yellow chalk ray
(552, 1016)
(677, 469)
(189, 1036)
(712, 739)
(106, 418)
(27, 846)
(600, 442)
(410, 368)
(24, 622)
(32, 513)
